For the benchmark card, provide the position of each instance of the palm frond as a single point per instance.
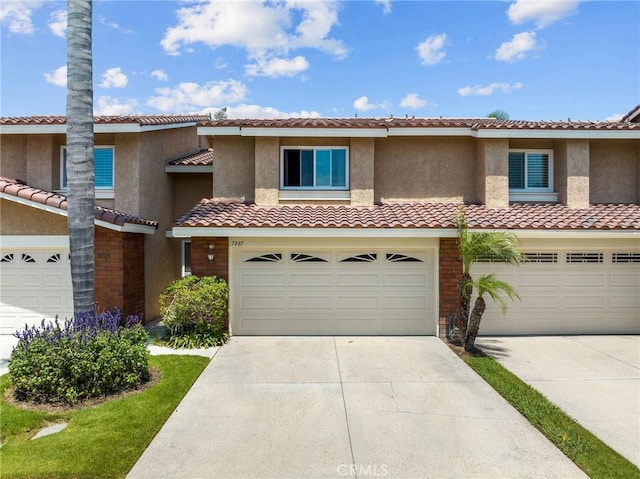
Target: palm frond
(496, 289)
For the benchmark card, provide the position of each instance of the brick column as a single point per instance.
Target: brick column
(450, 270)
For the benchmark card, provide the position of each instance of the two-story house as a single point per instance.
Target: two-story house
(332, 226)
(135, 201)
(345, 226)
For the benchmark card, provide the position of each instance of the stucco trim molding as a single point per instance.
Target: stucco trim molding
(34, 241)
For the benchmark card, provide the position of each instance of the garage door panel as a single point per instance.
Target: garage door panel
(262, 302)
(301, 280)
(627, 302)
(585, 279)
(358, 301)
(583, 302)
(405, 302)
(261, 279)
(626, 280)
(309, 302)
(357, 279)
(543, 280)
(261, 325)
(404, 280)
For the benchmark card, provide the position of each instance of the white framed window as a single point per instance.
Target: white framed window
(104, 166)
(314, 168)
(531, 175)
(186, 258)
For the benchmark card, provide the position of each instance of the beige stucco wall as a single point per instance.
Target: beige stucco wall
(614, 171)
(34, 159)
(361, 171)
(424, 169)
(577, 173)
(492, 172)
(234, 168)
(17, 219)
(267, 171)
(156, 202)
(188, 190)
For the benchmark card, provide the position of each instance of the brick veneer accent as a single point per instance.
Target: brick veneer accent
(200, 265)
(450, 270)
(119, 271)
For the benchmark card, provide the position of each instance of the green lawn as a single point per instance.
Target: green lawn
(103, 441)
(588, 452)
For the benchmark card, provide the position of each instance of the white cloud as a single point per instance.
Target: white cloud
(518, 48)
(489, 89)
(58, 23)
(106, 105)
(412, 100)
(386, 6)
(614, 117)
(363, 104)
(277, 67)
(189, 97)
(57, 77)
(160, 75)
(431, 51)
(114, 77)
(103, 20)
(542, 12)
(17, 15)
(257, 111)
(266, 30)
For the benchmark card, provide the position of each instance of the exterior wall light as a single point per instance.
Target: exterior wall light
(210, 253)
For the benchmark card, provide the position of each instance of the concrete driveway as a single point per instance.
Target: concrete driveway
(316, 407)
(594, 379)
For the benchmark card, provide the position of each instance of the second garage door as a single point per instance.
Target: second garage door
(586, 287)
(299, 291)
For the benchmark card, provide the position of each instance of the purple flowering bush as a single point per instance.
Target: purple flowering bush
(87, 356)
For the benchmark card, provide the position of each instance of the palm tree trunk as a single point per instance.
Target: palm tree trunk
(466, 289)
(80, 171)
(474, 323)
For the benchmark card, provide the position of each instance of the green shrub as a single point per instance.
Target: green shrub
(193, 309)
(84, 358)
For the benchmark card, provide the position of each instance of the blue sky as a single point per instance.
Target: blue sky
(535, 59)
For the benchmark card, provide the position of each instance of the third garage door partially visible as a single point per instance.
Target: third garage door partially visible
(297, 290)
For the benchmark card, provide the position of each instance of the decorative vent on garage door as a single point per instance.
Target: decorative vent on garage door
(541, 257)
(54, 258)
(27, 258)
(265, 258)
(585, 257)
(7, 258)
(361, 258)
(306, 258)
(402, 258)
(626, 257)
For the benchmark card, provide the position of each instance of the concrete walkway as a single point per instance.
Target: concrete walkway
(316, 407)
(594, 379)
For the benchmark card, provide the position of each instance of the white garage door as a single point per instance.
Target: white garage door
(577, 290)
(315, 291)
(34, 284)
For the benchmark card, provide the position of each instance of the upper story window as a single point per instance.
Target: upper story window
(314, 168)
(531, 175)
(103, 161)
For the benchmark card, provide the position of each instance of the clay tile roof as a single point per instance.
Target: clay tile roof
(633, 115)
(386, 123)
(211, 213)
(142, 120)
(202, 158)
(19, 189)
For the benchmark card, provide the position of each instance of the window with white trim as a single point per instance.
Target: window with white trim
(186, 258)
(104, 166)
(314, 168)
(531, 174)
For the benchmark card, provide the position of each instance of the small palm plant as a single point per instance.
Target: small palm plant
(474, 246)
(495, 289)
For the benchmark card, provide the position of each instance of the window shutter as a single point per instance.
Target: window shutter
(537, 170)
(103, 165)
(516, 170)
